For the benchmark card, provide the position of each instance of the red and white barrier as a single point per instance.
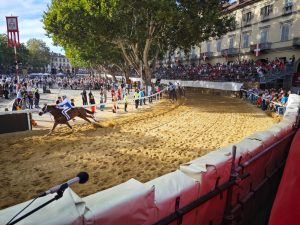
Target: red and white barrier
(129, 203)
(172, 191)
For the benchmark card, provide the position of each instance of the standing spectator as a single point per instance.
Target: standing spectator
(30, 99)
(84, 97)
(119, 94)
(136, 98)
(141, 95)
(5, 92)
(115, 104)
(125, 102)
(19, 95)
(105, 95)
(112, 92)
(36, 98)
(92, 101)
(101, 101)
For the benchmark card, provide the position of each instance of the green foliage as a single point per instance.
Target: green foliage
(39, 53)
(135, 32)
(7, 55)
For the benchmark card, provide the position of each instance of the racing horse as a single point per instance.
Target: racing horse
(59, 118)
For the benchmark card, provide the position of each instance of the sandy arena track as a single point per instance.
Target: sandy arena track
(141, 146)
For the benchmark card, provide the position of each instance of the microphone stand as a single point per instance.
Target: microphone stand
(59, 193)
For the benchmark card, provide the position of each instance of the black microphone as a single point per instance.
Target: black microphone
(81, 178)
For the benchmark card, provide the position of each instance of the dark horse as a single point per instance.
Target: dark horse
(59, 118)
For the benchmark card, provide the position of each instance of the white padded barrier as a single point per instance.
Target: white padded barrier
(129, 203)
(66, 211)
(211, 163)
(266, 137)
(226, 86)
(171, 186)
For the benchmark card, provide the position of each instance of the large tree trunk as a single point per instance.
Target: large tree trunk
(126, 73)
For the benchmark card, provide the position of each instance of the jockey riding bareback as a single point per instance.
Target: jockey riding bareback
(66, 103)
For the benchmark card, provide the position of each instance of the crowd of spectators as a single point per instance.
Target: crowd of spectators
(272, 99)
(240, 71)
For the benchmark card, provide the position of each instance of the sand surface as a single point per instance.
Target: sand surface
(141, 145)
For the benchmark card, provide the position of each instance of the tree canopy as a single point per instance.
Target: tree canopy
(39, 53)
(7, 55)
(133, 32)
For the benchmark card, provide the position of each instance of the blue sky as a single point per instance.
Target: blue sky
(29, 14)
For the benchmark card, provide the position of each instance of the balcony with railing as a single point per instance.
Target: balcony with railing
(262, 46)
(287, 9)
(230, 52)
(207, 54)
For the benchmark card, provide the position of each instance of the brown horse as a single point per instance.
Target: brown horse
(59, 118)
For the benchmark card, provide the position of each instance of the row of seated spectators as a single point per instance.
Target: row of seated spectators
(272, 99)
(246, 70)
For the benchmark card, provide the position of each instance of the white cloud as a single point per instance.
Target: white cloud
(29, 14)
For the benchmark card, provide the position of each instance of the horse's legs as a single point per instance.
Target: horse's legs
(92, 117)
(84, 117)
(54, 125)
(67, 123)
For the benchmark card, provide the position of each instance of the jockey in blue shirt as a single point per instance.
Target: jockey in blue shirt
(66, 103)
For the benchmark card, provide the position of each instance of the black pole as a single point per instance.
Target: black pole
(58, 196)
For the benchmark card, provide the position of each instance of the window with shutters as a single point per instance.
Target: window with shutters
(247, 17)
(219, 44)
(231, 42)
(246, 40)
(285, 29)
(266, 11)
(288, 7)
(264, 36)
(208, 46)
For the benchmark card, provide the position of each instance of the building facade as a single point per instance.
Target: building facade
(60, 64)
(265, 29)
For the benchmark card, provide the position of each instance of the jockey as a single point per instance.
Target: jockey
(66, 103)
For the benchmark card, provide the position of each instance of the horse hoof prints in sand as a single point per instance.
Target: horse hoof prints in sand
(59, 118)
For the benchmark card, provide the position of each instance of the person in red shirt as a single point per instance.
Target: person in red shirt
(259, 101)
(112, 92)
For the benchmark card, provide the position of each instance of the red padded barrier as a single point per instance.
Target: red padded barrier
(286, 206)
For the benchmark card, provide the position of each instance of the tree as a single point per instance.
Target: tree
(7, 56)
(139, 30)
(39, 53)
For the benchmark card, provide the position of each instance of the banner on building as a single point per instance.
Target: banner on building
(13, 39)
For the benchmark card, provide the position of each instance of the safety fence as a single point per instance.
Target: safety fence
(232, 185)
